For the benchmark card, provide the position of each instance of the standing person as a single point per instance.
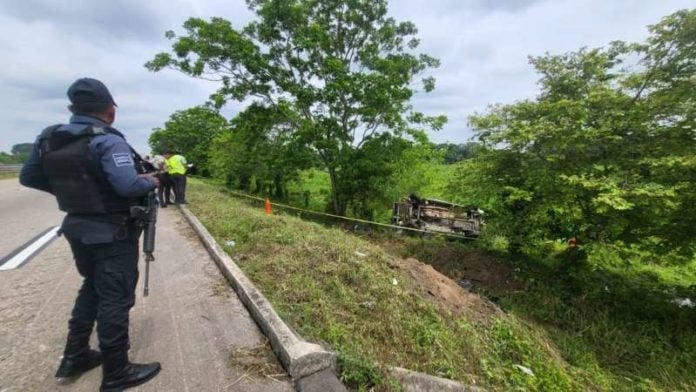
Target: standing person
(164, 190)
(147, 165)
(91, 170)
(176, 166)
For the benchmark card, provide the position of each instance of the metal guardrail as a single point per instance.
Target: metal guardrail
(10, 168)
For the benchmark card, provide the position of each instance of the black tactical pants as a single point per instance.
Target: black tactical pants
(179, 187)
(164, 190)
(110, 272)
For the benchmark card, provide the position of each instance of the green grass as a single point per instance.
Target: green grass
(317, 283)
(633, 339)
(311, 190)
(612, 321)
(621, 320)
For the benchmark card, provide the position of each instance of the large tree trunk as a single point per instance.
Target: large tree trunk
(338, 203)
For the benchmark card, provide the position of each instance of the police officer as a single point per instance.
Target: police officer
(91, 170)
(176, 167)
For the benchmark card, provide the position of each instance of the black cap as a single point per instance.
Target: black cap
(88, 92)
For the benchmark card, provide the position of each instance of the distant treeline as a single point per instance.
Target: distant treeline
(454, 153)
(19, 154)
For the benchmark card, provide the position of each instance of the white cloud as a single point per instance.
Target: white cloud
(483, 46)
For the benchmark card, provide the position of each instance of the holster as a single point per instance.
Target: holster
(125, 226)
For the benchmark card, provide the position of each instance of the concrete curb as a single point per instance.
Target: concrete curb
(420, 382)
(300, 358)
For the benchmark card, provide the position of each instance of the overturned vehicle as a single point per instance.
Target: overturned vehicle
(430, 215)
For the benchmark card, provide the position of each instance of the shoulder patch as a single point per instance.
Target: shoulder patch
(122, 159)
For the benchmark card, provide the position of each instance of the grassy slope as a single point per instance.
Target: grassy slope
(314, 279)
(616, 325)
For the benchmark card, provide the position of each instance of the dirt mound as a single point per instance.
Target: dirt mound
(484, 271)
(447, 294)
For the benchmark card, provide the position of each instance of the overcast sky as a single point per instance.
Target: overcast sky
(483, 46)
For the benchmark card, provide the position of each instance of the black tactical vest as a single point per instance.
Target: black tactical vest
(76, 179)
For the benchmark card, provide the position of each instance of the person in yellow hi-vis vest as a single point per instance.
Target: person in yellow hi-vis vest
(176, 167)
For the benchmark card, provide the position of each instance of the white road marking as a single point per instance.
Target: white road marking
(29, 251)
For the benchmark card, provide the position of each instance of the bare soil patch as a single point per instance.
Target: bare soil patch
(447, 294)
(487, 275)
(482, 269)
(459, 280)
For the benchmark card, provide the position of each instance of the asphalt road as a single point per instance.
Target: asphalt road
(192, 322)
(24, 213)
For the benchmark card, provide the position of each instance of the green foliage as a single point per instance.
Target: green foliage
(454, 153)
(22, 150)
(258, 148)
(19, 154)
(411, 168)
(358, 371)
(513, 351)
(339, 73)
(310, 189)
(620, 321)
(368, 172)
(190, 132)
(6, 158)
(606, 152)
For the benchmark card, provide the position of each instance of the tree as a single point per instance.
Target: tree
(258, 147)
(370, 173)
(454, 153)
(606, 152)
(190, 132)
(6, 158)
(19, 154)
(22, 149)
(340, 73)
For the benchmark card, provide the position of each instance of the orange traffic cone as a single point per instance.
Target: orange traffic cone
(267, 207)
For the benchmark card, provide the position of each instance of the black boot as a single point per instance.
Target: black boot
(72, 366)
(120, 374)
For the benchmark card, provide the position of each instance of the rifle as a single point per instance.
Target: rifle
(146, 218)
